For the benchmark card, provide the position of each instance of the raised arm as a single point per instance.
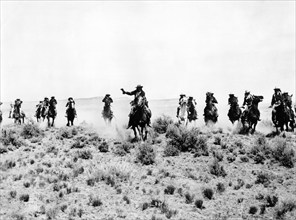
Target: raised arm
(128, 93)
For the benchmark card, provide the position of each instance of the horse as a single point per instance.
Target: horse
(71, 112)
(18, 115)
(210, 111)
(234, 112)
(192, 113)
(251, 116)
(140, 118)
(284, 113)
(38, 114)
(51, 113)
(183, 113)
(107, 113)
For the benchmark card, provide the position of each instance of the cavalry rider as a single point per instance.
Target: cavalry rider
(275, 102)
(107, 99)
(248, 99)
(191, 108)
(182, 96)
(18, 104)
(232, 99)
(46, 102)
(53, 102)
(137, 93)
(71, 102)
(38, 107)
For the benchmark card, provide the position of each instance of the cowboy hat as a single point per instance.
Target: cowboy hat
(139, 86)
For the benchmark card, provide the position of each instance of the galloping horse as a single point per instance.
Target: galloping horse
(70, 114)
(284, 113)
(139, 118)
(234, 112)
(19, 117)
(183, 114)
(251, 117)
(210, 111)
(51, 113)
(107, 112)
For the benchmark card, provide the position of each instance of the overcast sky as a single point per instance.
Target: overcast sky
(86, 49)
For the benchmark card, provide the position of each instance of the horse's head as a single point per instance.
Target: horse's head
(183, 101)
(257, 99)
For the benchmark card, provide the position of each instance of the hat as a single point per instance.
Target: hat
(247, 92)
(182, 95)
(52, 97)
(190, 97)
(277, 89)
(231, 95)
(107, 94)
(139, 86)
(70, 98)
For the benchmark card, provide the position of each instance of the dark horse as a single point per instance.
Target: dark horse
(39, 113)
(107, 112)
(234, 112)
(70, 114)
(19, 117)
(51, 112)
(210, 111)
(251, 116)
(139, 119)
(284, 113)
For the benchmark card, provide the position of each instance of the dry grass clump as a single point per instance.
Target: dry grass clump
(169, 190)
(170, 151)
(283, 153)
(161, 124)
(220, 187)
(187, 140)
(31, 129)
(271, 201)
(146, 154)
(253, 210)
(11, 136)
(284, 208)
(103, 147)
(263, 178)
(217, 169)
(84, 154)
(123, 149)
(260, 151)
(24, 197)
(95, 201)
(189, 198)
(208, 193)
(199, 204)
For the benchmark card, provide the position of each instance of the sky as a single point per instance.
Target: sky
(90, 48)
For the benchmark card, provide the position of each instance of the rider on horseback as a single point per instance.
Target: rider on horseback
(180, 102)
(137, 93)
(18, 105)
(69, 103)
(38, 108)
(192, 114)
(232, 99)
(53, 102)
(276, 100)
(107, 99)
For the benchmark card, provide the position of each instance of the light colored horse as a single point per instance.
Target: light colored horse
(183, 113)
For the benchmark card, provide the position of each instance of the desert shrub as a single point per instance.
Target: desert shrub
(103, 147)
(169, 190)
(240, 183)
(78, 171)
(123, 149)
(220, 187)
(208, 193)
(126, 199)
(65, 132)
(12, 194)
(145, 206)
(253, 210)
(161, 124)
(263, 178)
(188, 198)
(9, 164)
(26, 184)
(30, 130)
(283, 153)
(218, 155)
(90, 182)
(216, 169)
(261, 150)
(24, 197)
(10, 136)
(198, 203)
(271, 201)
(146, 154)
(170, 151)
(217, 140)
(231, 158)
(84, 154)
(285, 207)
(244, 159)
(95, 201)
(262, 209)
(187, 140)
(164, 208)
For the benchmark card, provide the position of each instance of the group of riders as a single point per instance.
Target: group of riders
(140, 113)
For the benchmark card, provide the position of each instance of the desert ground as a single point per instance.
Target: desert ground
(96, 171)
